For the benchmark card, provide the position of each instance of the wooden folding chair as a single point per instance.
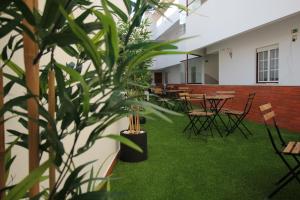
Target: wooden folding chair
(195, 116)
(237, 117)
(283, 150)
(180, 102)
(162, 100)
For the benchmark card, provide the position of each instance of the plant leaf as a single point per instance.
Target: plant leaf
(86, 42)
(124, 141)
(76, 76)
(21, 188)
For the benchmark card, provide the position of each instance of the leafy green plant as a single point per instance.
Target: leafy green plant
(88, 91)
(137, 77)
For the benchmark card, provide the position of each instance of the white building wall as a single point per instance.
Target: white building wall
(241, 68)
(217, 20)
(164, 61)
(175, 74)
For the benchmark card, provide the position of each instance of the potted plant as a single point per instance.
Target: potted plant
(136, 135)
(137, 78)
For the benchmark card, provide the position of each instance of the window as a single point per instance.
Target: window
(268, 64)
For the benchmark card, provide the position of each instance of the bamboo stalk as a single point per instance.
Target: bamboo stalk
(2, 139)
(130, 123)
(32, 82)
(51, 109)
(138, 123)
(135, 124)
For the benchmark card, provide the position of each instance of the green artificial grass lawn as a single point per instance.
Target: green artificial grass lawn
(202, 167)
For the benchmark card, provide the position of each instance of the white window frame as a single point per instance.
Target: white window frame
(268, 49)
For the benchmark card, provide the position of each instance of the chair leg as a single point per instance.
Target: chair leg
(287, 174)
(222, 121)
(243, 133)
(189, 124)
(192, 125)
(236, 125)
(282, 185)
(290, 168)
(246, 128)
(202, 125)
(231, 120)
(218, 130)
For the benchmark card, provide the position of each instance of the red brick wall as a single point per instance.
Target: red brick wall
(285, 101)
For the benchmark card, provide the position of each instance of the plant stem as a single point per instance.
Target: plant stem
(65, 168)
(51, 109)
(2, 139)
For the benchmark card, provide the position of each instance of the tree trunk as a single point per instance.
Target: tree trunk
(51, 109)
(32, 82)
(2, 139)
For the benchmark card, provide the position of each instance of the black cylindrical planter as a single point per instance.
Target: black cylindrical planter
(127, 154)
(142, 120)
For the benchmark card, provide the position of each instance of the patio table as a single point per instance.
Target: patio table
(216, 104)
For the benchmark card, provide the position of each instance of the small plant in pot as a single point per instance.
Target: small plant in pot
(136, 135)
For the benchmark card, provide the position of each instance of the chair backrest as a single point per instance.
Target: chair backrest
(231, 92)
(269, 120)
(249, 103)
(185, 97)
(203, 101)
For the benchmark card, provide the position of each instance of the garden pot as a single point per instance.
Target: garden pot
(128, 154)
(142, 120)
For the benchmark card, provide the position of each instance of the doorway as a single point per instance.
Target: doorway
(158, 78)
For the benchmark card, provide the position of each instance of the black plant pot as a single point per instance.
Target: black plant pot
(128, 154)
(142, 120)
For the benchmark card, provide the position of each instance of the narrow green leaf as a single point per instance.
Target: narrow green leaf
(8, 27)
(50, 14)
(15, 68)
(71, 181)
(14, 102)
(118, 11)
(28, 15)
(111, 36)
(128, 4)
(124, 141)
(22, 187)
(77, 77)
(87, 43)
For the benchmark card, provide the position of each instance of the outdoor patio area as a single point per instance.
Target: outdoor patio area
(203, 167)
